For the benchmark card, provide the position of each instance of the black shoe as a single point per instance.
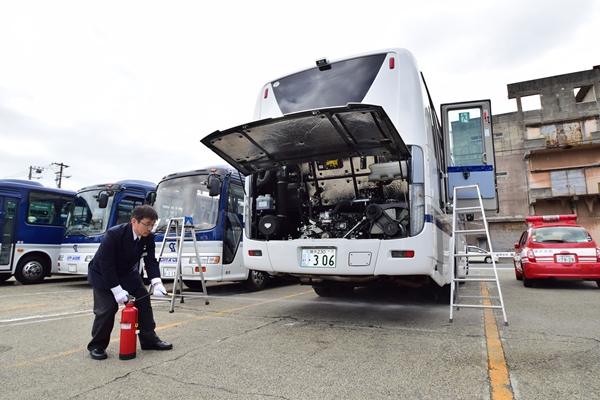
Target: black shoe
(98, 354)
(160, 345)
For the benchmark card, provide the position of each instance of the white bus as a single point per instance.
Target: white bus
(350, 174)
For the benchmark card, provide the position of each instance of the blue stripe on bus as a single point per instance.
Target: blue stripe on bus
(447, 228)
(471, 168)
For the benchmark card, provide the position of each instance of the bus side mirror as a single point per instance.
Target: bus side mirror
(214, 187)
(150, 198)
(102, 200)
(516, 245)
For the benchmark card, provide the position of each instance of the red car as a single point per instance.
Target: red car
(555, 247)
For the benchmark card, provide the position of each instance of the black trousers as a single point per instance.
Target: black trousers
(105, 308)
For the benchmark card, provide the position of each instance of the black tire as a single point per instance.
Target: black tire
(519, 277)
(526, 281)
(598, 283)
(333, 290)
(30, 270)
(5, 277)
(441, 294)
(488, 260)
(193, 284)
(323, 291)
(343, 291)
(257, 280)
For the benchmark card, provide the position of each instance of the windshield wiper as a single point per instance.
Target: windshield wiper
(74, 231)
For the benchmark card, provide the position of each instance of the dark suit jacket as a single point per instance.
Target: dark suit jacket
(115, 263)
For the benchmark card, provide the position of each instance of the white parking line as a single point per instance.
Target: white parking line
(43, 318)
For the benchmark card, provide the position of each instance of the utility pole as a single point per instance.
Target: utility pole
(59, 174)
(37, 170)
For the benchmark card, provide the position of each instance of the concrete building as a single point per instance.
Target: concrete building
(548, 154)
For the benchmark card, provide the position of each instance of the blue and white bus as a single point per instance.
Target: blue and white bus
(32, 219)
(94, 210)
(214, 198)
(350, 174)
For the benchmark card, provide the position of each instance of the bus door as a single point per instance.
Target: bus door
(234, 228)
(469, 151)
(8, 218)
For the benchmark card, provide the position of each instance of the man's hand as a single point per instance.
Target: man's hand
(120, 294)
(159, 289)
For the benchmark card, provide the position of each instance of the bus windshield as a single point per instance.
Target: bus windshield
(186, 196)
(86, 217)
(337, 84)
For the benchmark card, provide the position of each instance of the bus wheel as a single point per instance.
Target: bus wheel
(192, 284)
(30, 270)
(334, 290)
(257, 280)
(441, 294)
(5, 277)
(323, 291)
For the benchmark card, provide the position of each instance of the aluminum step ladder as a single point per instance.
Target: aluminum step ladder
(485, 300)
(179, 231)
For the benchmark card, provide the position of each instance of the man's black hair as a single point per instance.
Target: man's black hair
(145, 211)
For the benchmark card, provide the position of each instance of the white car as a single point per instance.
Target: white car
(484, 255)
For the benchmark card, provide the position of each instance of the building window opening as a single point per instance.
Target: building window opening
(533, 102)
(584, 94)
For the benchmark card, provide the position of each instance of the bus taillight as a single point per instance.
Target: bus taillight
(255, 253)
(403, 253)
(266, 93)
(392, 62)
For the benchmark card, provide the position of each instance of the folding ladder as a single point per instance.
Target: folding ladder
(179, 231)
(485, 300)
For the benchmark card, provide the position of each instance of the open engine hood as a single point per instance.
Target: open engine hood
(317, 135)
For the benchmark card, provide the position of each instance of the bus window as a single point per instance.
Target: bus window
(125, 207)
(465, 137)
(45, 208)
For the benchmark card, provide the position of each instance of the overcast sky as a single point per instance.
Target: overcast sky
(126, 89)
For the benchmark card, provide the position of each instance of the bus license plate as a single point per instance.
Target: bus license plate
(72, 267)
(318, 258)
(168, 272)
(565, 258)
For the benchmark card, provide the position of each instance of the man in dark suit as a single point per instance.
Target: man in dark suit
(114, 274)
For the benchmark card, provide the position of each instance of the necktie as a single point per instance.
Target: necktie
(135, 246)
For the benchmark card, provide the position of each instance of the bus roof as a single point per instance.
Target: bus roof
(25, 184)
(119, 185)
(219, 169)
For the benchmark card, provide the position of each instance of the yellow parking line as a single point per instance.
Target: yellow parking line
(497, 368)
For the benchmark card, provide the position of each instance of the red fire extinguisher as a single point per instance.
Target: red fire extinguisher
(129, 324)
